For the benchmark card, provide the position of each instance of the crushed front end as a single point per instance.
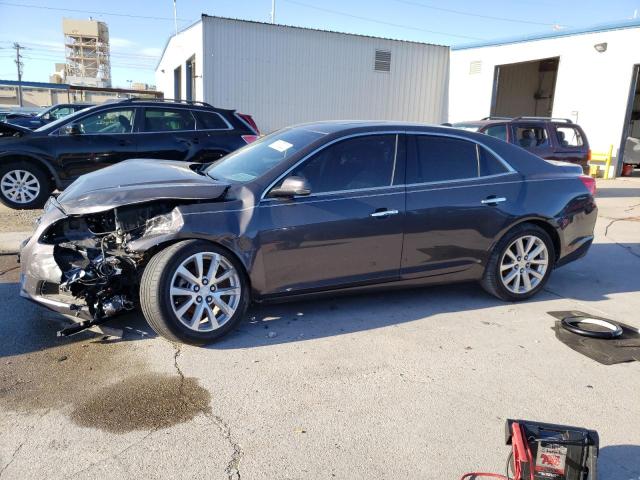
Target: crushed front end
(81, 266)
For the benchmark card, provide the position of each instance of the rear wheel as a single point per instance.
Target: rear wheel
(24, 185)
(521, 264)
(193, 292)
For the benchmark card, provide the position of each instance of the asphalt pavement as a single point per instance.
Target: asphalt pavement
(407, 384)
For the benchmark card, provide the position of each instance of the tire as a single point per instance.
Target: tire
(500, 274)
(37, 185)
(176, 316)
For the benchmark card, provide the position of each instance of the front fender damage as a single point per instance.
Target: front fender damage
(101, 256)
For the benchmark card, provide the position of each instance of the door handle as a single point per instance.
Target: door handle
(124, 143)
(383, 213)
(493, 200)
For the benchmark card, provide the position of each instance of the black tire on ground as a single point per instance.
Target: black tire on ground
(491, 280)
(155, 300)
(43, 177)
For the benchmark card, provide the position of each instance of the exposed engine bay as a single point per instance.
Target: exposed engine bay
(97, 266)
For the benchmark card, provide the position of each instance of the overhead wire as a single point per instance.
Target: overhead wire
(381, 22)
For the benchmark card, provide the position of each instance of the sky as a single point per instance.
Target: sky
(139, 29)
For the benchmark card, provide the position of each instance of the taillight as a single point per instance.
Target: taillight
(589, 182)
(250, 121)
(249, 138)
(589, 155)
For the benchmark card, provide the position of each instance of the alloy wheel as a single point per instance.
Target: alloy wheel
(524, 264)
(205, 291)
(20, 186)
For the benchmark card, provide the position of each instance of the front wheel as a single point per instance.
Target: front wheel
(521, 264)
(193, 292)
(24, 185)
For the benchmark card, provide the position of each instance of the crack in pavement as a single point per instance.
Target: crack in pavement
(19, 447)
(614, 220)
(115, 455)
(13, 457)
(233, 466)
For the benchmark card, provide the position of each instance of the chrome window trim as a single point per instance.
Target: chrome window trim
(326, 145)
(510, 169)
(229, 126)
(56, 132)
(120, 107)
(458, 180)
(334, 193)
(365, 192)
(477, 142)
(195, 120)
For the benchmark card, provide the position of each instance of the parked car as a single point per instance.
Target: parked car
(548, 138)
(33, 164)
(318, 208)
(18, 112)
(49, 115)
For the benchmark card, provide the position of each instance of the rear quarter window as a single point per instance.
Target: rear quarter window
(569, 136)
(209, 121)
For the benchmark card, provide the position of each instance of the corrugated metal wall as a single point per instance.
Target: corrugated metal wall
(285, 75)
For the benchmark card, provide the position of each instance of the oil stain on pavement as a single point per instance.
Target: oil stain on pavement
(104, 385)
(143, 402)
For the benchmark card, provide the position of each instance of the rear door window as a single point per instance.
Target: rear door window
(497, 131)
(568, 137)
(438, 159)
(160, 120)
(441, 159)
(531, 137)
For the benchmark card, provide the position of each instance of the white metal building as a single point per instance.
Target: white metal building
(588, 75)
(284, 75)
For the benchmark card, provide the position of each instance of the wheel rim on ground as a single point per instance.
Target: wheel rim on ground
(524, 264)
(20, 186)
(205, 291)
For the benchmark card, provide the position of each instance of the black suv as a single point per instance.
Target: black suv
(549, 138)
(33, 164)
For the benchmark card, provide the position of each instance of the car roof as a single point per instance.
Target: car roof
(342, 127)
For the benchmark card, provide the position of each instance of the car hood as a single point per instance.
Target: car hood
(137, 181)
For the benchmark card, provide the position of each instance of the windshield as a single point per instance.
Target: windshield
(44, 112)
(469, 127)
(56, 123)
(255, 159)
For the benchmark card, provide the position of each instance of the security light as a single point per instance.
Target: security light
(600, 47)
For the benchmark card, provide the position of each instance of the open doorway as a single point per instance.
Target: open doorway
(630, 146)
(525, 89)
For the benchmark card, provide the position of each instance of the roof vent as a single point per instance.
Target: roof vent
(383, 61)
(475, 67)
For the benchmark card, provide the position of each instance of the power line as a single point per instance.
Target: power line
(476, 15)
(92, 12)
(367, 19)
(115, 65)
(35, 46)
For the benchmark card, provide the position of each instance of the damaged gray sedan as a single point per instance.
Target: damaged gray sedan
(326, 207)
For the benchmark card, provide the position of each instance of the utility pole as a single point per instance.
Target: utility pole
(273, 11)
(19, 64)
(175, 17)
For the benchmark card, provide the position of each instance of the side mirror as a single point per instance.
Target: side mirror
(291, 187)
(71, 129)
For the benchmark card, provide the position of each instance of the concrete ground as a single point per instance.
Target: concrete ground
(412, 384)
